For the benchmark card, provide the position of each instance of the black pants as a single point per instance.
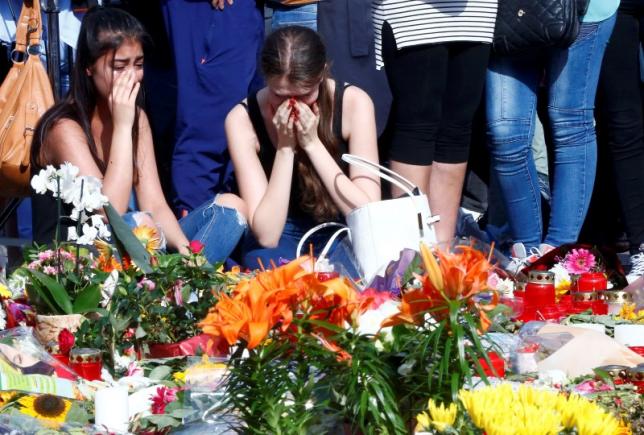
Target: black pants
(619, 110)
(436, 90)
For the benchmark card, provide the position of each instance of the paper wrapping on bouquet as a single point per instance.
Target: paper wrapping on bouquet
(586, 351)
(26, 366)
(205, 344)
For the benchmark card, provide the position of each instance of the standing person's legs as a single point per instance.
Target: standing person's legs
(465, 81)
(417, 77)
(511, 104)
(572, 76)
(216, 60)
(620, 106)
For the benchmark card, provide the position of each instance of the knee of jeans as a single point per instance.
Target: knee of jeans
(232, 201)
(571, 127)
(503, 133)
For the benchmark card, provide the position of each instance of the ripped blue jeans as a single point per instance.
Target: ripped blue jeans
(219, 228)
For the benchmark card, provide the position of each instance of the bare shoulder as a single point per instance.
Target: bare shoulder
(237, 115)
(355, 98)
(239, 128)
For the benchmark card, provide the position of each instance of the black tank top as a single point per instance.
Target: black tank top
(267, 149)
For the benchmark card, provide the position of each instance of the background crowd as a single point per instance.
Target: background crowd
(531, 151)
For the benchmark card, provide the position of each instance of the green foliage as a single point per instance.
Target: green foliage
(126, 242)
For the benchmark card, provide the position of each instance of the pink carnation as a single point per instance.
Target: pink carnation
(163, 397)
(579, 261)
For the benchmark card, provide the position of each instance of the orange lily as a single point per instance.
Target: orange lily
(454, 276)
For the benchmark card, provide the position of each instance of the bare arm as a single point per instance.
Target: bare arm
(358, 126)
(267, 200)
(67, 142)
(149, 193)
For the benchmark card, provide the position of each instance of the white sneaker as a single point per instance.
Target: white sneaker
(637, 267)
(521, 257)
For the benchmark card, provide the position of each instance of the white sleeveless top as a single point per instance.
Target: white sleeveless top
(420, 22)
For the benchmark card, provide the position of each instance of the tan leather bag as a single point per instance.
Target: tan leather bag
(25, 95)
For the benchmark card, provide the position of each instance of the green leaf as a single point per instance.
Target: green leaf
(128, 242)
(162, 421)
(87, 300)
(55, 289)
(182, 413)
(160, 372)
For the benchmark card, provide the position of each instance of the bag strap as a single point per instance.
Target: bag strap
(385, 173)
(29, 26)
(317, 228)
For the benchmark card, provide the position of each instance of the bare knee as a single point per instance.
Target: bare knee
(231, 200)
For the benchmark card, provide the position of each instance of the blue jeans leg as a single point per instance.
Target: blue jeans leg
(219, 228)
(511, 103)
(572, 75)
(304, 15)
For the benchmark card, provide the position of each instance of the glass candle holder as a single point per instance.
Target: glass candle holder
(87, 363)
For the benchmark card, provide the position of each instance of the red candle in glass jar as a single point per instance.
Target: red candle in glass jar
(497, 362)
(326, 276)
(592, 281)
(540, 290)
(87, 363)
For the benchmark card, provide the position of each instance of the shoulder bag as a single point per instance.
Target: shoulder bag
(25, 95)
(525, 25)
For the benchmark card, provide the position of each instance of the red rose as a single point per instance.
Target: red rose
(196, 247)
(65, 341)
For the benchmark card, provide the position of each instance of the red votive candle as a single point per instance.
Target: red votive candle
(592, 281)
(87, 363)
(497, 362)
(540, 290)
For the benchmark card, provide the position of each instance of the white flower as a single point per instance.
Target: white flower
(72, 234)
(561, 274)
(89, 235)
(370, 321)
(506, 287)
(39, 182)
(67, 171)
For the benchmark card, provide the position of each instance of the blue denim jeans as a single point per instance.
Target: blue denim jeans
(340, 255)
(571, 76)
(303, 15)
(219, 228)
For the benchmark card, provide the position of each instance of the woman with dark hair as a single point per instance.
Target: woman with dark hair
(100, 128)
(286, 141)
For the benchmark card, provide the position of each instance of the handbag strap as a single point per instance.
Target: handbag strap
(385, 173)
(29, 26)
(317, 228)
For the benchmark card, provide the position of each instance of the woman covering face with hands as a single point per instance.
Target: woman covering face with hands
(286, 142)
(101, 128)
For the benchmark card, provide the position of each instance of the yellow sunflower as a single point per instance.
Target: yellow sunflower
(47, 407)
(6, 397)
(149, 237)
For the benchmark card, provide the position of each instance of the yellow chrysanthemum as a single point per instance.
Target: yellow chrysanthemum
(501, 410)
(47, 407)
(440, 417)
(627, 312)
(4, 291)
(149, 237)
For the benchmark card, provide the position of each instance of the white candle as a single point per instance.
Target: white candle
(112, 409)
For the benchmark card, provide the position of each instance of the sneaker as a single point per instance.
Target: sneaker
(521, 257)
(544, 248)
(637, 267)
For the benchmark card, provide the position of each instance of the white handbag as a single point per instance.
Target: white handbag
(379, 230)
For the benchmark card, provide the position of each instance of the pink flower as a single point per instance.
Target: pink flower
(147, 284)
(579, 261)
(163, 397)
(133, 369)
(196, 246)
(46, 255)
(49, 270)
(590, 386)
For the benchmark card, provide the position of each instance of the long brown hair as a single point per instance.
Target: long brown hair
(298, 54)
(103, 30)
